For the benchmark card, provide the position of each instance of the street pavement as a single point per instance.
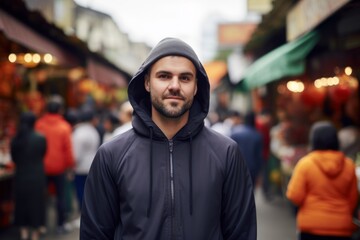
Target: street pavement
(276, 221)
(276, 218)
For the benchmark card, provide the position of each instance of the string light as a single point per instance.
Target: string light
(348, 71)
(341, 78)
(295, 86)
(31, 59)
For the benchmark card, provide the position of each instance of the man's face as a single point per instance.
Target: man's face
(172, 85)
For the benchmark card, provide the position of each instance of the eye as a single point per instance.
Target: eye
(163, 76)
(185, 78)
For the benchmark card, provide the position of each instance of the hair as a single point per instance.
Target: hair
(323, 136)
(250, 119)
(72, 116)
(86, 114)
(55, 104)
(234, 113)
(111, 117)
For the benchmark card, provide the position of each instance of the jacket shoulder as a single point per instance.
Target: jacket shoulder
(119, 142)
(218, 138)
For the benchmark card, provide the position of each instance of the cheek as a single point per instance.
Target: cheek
(156, 92)
(159, 87)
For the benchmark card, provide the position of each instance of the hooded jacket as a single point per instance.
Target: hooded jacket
(59, 154)
(324, 187)
(143, 186)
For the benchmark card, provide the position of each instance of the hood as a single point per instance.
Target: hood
(330, 162)
(140, 98)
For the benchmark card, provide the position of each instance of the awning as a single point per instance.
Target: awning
(105, 74)
(284, 61)
(24, 35)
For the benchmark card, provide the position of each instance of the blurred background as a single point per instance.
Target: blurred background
(291, 62)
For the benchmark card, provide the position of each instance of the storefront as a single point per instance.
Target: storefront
(37, 60)
(313, 76)
(27, 63)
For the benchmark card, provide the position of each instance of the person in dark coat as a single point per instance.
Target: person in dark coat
(250, 142)
(169, 177)
(27, 152)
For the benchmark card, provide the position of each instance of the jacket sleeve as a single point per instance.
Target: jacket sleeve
(296, 187)
(238, 206)
(100, 208)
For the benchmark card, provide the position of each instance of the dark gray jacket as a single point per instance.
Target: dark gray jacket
(143, 186)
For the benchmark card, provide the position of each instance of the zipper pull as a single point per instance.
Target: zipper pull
(171, 145)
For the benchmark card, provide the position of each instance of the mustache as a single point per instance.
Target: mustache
(174, 94)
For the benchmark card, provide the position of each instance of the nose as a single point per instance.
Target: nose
(174, 83)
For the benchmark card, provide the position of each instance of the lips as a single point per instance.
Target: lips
(171, 97)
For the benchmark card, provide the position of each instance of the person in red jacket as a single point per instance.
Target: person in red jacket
(59, 155)
(324, 187)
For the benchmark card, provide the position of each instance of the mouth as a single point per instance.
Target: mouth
(174, 97)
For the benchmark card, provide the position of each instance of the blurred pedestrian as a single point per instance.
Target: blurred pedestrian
(59, 159)
(223, 127)
(111, 122)
(250, 143)
(263, 124)
(71, 116)
(86, 140)
(169, 177)
(349, 138)
(28, 149)
(324, 188)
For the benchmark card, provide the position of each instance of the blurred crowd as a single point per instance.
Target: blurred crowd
(64, 143)
(53, 154)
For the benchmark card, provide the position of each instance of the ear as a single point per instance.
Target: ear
(147, 82)
(196, 87)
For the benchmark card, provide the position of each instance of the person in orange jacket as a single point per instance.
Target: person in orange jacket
(59, 156)
(324, 188)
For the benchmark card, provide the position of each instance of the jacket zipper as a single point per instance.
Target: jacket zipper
(172, 187)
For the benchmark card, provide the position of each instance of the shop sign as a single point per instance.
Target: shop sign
(307, 14)
(235, 34)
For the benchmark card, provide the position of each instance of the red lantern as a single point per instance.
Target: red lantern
(340, 94)
(313, 97)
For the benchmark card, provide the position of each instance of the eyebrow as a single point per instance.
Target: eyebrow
(182, 74)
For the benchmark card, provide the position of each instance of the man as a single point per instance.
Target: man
(169, 177)
(59, 155)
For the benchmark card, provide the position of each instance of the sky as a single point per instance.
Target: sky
(150, 21)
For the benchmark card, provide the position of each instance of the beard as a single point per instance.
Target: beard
(172, 110)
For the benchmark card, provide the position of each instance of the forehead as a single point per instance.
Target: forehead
(176, 64)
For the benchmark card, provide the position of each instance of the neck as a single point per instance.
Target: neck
(169, 126)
